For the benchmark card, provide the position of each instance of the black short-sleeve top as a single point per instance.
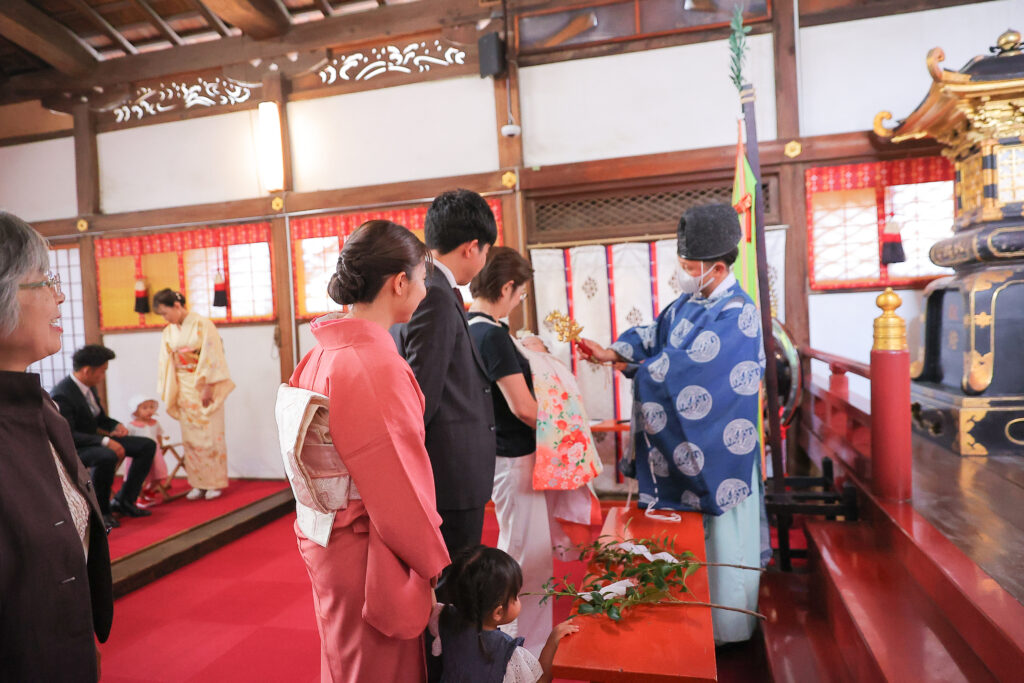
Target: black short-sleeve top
(501, 359)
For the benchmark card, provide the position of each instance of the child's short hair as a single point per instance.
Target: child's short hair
(483, 579)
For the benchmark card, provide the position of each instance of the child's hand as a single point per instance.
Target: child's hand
(564, 629)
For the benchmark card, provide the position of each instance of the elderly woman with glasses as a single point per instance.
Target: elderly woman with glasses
(54, 561)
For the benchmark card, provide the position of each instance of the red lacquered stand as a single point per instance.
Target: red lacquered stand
(651, 642)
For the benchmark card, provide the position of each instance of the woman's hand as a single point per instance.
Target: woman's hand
(206, 396)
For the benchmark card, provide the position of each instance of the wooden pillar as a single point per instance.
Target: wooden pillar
(787, 101)
(793, 210)
(90, 291)
(275, 90)
(510, 156)
(87, 166)
(286, 334)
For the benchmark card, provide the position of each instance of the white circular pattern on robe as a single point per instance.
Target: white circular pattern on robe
(658, 368)
(761, 358)
(705, 347)
(654, 417)
(646, 499)
(740, 436)
(694, 402)
(679, 332)
(623, 349)
(647, 334)
(690, 500)
(748, 320)
(689, 458)
(659, 466)
(731, 493)
(745, 378)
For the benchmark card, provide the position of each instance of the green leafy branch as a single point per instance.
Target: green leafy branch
(737, 46)
(657, 582)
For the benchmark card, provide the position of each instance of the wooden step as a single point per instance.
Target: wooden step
(798, 641)
(885, 624)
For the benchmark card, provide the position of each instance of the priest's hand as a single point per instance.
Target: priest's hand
(591, 350)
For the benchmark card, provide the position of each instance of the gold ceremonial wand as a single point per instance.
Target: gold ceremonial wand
(568, 330)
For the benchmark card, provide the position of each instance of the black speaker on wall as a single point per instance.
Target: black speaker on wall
(492, 54)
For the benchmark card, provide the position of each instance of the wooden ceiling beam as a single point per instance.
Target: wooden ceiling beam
(325, 7)
(51, 41)
(212, 19)
(104, 25)
(260, 19)
(159, 23)
(341, 29)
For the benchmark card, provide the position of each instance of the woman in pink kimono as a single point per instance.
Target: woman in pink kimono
(373, 565)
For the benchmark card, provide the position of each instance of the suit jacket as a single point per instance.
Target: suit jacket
(75, 409)
(459, 415)
(52, 600)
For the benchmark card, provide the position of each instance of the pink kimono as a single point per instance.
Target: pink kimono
(372, 583)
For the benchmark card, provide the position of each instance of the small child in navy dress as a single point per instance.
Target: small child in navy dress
(485, 596)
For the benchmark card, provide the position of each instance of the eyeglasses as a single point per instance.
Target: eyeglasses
(52, 281)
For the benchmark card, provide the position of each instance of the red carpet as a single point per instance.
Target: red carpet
(245, 613)
(178, 515)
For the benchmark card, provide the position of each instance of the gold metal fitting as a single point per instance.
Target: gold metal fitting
(793, 149)
(276, 203)
(890, 330)
(1009, 43)
(82, 225)
(509, 179)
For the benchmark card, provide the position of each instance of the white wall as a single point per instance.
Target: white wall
(305, 339)
(841, 324)
(251, 431)
(422, 130)
(37, 180)
(641, 103)
(198, 161)
(850, 71)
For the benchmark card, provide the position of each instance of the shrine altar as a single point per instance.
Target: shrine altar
(650, 642)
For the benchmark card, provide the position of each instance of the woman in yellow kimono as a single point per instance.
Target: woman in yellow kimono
(193, 384)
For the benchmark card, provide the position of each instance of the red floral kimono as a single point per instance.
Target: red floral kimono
(372, 583)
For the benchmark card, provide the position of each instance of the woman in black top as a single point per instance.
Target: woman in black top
(522, 512)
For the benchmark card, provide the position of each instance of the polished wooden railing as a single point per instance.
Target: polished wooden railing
(871, 438)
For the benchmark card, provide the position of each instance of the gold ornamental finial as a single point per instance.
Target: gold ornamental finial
(890, 330)
(565, 328)
(1009, 43)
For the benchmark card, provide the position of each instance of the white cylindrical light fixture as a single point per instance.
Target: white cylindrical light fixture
(271, 155)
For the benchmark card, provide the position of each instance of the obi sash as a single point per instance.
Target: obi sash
(318, 477)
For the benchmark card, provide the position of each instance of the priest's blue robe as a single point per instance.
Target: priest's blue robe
(696, 441)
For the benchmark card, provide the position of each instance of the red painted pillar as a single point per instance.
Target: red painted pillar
(891, 453)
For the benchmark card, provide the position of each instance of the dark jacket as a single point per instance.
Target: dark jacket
(459, 417)
(75, 409)
(51, 600)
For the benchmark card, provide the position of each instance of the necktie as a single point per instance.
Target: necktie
(94, 405)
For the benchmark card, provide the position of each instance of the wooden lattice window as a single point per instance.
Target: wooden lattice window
(609, 215)
(189, 261)
(317, 241)
(850, 207)
(65, 261)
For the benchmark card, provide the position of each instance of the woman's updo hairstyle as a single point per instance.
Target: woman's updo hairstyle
(168, 297)
(504, 264)
(375, 251)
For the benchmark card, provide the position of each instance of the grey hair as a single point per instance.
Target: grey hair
(22, 251)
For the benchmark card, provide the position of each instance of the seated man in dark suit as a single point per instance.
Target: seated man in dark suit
(101, 440)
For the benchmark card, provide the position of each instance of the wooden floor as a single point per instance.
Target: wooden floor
(978, 503)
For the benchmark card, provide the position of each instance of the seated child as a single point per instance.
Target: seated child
(485, 596)
(144, 424)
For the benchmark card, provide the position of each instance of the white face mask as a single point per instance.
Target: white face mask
(690, 284)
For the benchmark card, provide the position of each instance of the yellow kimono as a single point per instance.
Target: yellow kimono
(191, 358)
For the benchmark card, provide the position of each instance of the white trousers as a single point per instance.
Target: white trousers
(524, 533)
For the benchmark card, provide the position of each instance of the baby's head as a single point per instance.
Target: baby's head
(534, 343)
(145, 408)
(486, 584)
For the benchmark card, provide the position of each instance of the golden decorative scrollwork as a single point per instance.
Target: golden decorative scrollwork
(968, 444)
(979, 370)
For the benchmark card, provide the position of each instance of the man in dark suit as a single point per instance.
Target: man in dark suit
(459, 415)
(100, 440)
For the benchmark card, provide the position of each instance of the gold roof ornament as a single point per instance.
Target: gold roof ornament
(1009, 43)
